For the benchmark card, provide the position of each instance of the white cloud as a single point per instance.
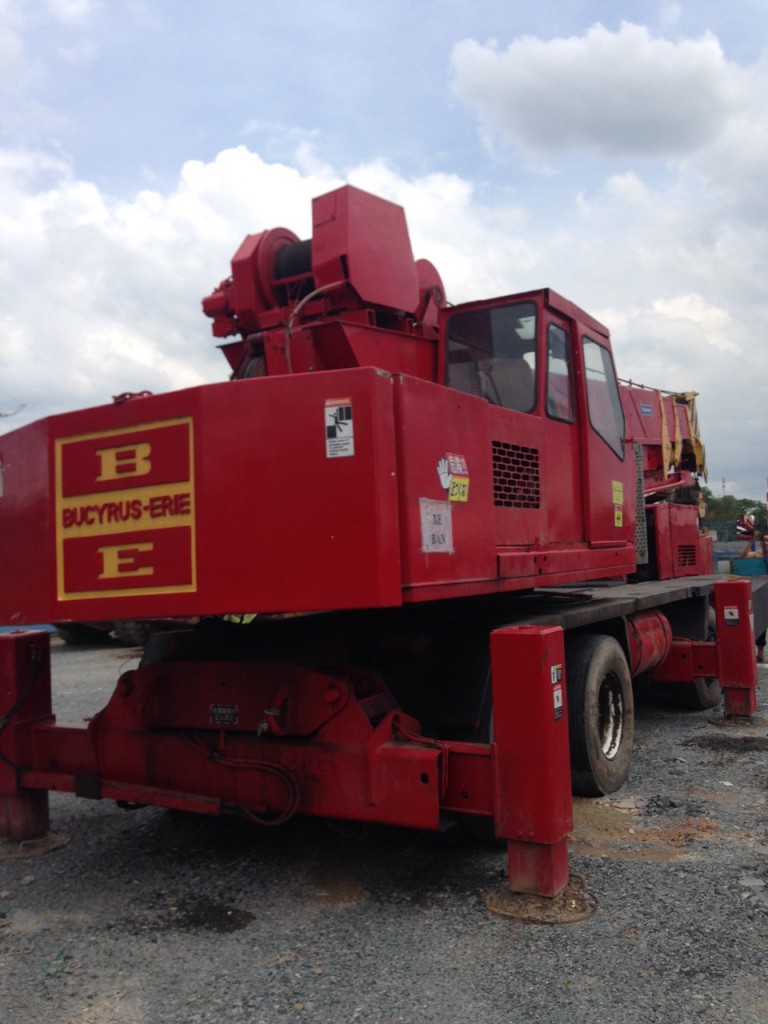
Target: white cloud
(15, 72)
(72, 11)
(617, 93)
(20, 113)
(733, 166)
(670, 15)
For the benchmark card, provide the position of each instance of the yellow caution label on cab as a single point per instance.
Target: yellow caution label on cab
(618, 503)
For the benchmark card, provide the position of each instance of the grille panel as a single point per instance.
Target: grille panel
(515, 476)
(686, 555)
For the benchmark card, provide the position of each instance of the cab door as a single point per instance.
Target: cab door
(608, 471)
(491, 350)
(561, 461)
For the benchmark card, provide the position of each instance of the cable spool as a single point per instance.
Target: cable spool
(292, 271)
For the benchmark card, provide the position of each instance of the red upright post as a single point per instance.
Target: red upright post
(25, 699)
(736, 655)
(532, 802)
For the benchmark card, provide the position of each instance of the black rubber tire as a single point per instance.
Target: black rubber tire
(601, 714)
(705, 691)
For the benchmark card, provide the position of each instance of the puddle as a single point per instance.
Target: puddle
(204, 915)
(730, 744)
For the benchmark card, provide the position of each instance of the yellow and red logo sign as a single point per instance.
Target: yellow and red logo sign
(125, 517)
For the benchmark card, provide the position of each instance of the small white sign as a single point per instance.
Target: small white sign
(731, 616)
(436, 526)
(557, 697)
(339, 428)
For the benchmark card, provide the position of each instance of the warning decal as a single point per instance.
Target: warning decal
(618, 503)
(339, 428)
(557, 698)
(731, 615)
(454, 476)
(224, 714)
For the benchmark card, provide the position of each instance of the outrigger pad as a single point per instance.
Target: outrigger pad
(572, 905)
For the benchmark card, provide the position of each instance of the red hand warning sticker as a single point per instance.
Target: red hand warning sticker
(454, 476)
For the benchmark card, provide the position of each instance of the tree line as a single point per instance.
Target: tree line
(726, 510)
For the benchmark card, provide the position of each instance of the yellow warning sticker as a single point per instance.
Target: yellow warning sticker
(459, 489)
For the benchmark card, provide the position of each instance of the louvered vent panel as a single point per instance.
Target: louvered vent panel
(686, 555)
(515, 475)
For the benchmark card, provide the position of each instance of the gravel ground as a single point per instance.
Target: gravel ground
(149, 918)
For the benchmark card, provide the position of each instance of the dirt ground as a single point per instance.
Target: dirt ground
(153, 918)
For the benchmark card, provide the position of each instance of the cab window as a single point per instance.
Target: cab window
(560, 405)
(491, 353)
(605, 410)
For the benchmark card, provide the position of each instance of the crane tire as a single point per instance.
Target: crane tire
(601, 716)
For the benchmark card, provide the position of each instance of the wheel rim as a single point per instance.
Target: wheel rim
(610, 712)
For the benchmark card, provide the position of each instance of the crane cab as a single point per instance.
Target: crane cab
(563, 475)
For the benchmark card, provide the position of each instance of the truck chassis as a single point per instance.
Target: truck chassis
(270, 738)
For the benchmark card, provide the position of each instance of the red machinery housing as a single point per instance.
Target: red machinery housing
(386, 482)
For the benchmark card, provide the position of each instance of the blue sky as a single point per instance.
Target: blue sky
(617, 152)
